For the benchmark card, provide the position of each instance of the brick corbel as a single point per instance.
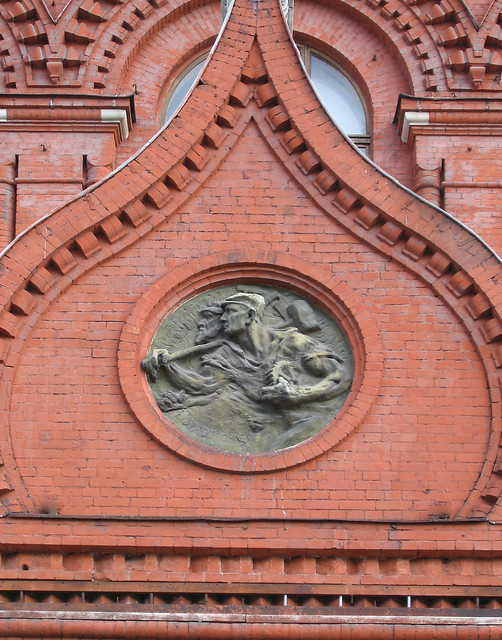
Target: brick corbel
(428, 183)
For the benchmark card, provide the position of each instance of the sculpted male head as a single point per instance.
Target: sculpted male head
(209, 324)
(240, 310)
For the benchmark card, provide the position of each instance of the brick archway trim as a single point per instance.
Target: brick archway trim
(326, 290)
(444, 46)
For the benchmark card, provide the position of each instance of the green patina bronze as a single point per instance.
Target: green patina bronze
(249, 369)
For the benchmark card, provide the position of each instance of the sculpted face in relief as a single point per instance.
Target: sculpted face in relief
(249, 369)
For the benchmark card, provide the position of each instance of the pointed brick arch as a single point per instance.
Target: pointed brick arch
(104, 221)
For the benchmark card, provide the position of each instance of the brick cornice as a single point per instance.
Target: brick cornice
(30, 112)
(432, 539)
(447, 116)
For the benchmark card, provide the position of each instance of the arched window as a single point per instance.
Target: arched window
(181, 86)
(338, 92)
(340, 96)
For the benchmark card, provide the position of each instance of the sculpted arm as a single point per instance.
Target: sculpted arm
(287, 392)
(162, 358)
(191, 381)
(330, 371)
(187, 386)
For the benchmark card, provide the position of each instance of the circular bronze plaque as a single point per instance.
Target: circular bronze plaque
(249, 369)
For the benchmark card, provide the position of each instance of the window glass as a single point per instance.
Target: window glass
(182, 88)
(339, 96)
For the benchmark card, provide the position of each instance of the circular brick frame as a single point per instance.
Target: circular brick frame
(314, 283)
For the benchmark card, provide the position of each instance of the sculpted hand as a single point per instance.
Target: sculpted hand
(285, 392)
(170, 400)
(281, 391)
(152, 364)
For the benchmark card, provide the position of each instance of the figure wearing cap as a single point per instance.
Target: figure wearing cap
(281, 355)
(250, 380)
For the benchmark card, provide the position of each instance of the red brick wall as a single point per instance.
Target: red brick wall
(149, 57)
(394, 506)
(416, 455)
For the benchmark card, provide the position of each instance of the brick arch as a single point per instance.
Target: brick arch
(201, 48)
(132, 29)
(442, 45)
(402, 29)
(314, 282)
(16, 24)
(152, 82)
(438, 42)
(274, 92)
(312, 23)
(453, 51)
(54, 41)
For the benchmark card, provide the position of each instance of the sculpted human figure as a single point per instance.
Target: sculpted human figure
(192, 387)
(261, 387)
(283, 355)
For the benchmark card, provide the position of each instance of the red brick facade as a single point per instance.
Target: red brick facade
(385, 524)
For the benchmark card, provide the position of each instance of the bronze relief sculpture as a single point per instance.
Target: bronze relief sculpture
(249, 369)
